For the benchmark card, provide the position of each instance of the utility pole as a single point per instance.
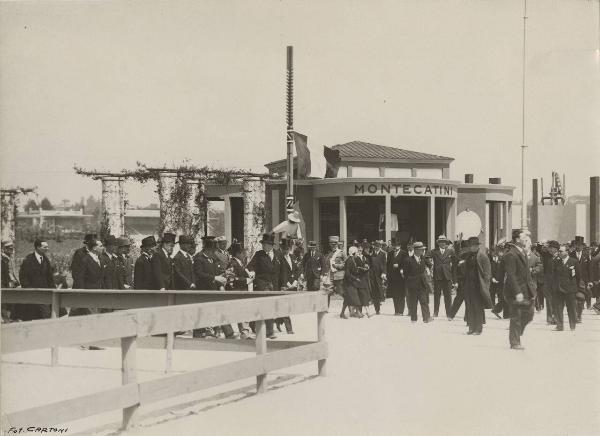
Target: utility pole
(523, 144)
(289, 200)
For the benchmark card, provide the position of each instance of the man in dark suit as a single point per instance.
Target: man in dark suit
(162, 264)
(395, 277)
(313, 266)
(35, 272)
(111, 277)
(288, 277)
(124, 265)
(567, 279)
(497, 284)
(378, 274)
(517, 287)
(183, 264)
(79, 254)
(142, 273)
(414, 271)
(444, 277)
(584, 261)
(549, 255)
(238, 281)
(266, 266)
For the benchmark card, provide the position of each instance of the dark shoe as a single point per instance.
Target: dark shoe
(272, 336)
(430, 319)
(279, 327)
(450, 319)
(343, 316)
(470, 332)
(497, 314)
(476, 333)
(290, 332)
(579, 321)
(517, 347)
(377, 313)
(558, 329)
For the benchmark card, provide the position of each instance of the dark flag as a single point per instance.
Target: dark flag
(333, 162)
(303, 155)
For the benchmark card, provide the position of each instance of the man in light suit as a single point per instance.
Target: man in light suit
(444, 274)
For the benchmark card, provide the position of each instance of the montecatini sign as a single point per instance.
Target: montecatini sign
(409, 189)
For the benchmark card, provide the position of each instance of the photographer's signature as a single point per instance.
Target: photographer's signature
(34, 429)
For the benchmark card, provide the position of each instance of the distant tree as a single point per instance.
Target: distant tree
(151, 206)
(92, 206)
(31, 205)
(45, 204)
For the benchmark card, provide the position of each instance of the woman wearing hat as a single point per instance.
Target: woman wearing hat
(288, 278)
(352, 280)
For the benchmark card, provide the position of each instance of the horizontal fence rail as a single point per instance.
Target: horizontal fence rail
(131, 326)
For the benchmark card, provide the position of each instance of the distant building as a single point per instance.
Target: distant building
(65, 221)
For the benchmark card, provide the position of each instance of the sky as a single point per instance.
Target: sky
(105, 84)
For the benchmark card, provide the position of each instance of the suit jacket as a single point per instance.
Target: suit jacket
(183, 271)
(142, 273)
(162, 270)
(205, 271)
(394, 274)
(76, 266)
(584, 266)
(536, 269)
(222, 258)
(111, 278)
(92, 273)
(518, 275)
(414, 273)
(314, 266)
(567, 276)
(239, 282)
(288, 273)
(443, 264)
(378, 263)
(32, 274)
(125, 270)
(267, 271)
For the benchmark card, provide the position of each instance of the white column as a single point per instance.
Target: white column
(343, 223)
(197, 211)
(254, 214)
(8, 215)
(275, 210)
(431, 223)
(451, 218)
(508, 220)
(486, 225)
(113, 207)
(388, 218)
(227, 217)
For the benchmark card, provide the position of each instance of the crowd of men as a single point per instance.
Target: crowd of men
(513, 279)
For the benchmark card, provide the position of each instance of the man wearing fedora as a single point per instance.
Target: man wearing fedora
(378, 275)
(444, 274)
(221, 256)
(9, 279)
(416, 286)
(183, 264)
(90, 273)
(478, 274)
(567, 281)
(266, 265)
(78, 255)
(142, 273)
(313, 266)
(111, 278)
(162, 264)
(517, 287)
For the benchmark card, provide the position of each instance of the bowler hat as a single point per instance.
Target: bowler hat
(473, 240)
(442, 238)
(168, 238)
(268, 238)
(312, 244)
(110, 240)
(334, 239)
(236, 248)
(418, 245)
(185, 239)
(579, 240)
(554, 244)
(90, 237)
(123, 242)
(149, 241)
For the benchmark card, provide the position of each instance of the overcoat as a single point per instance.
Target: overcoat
(142, 274)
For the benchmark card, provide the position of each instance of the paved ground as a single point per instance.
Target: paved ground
(385, 376)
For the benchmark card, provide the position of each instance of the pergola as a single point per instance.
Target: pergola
(8, 203)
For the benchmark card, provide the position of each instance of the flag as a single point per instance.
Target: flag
(333, 162)
(303, 155)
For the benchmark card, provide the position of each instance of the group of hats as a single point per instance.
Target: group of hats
(110, 240)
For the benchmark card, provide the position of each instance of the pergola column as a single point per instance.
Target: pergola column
(113, 207)
(168, 214)
(8, 215)
(254, 190)
(198, 209)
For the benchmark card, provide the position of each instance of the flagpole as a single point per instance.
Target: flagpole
(523, 144)
(290, 129)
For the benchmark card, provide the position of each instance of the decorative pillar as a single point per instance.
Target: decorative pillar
(388, 218)
(227, 217)
(254, 191)
(316, 234)
(7, 209)
(533, 225)
(451, 219)
(508, 223)
(486, 226)
(343, 223)
(113, 207)
(168, 219)
(197, 205)
(431, 223)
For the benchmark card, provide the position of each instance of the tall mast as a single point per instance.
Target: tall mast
(290, 129)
